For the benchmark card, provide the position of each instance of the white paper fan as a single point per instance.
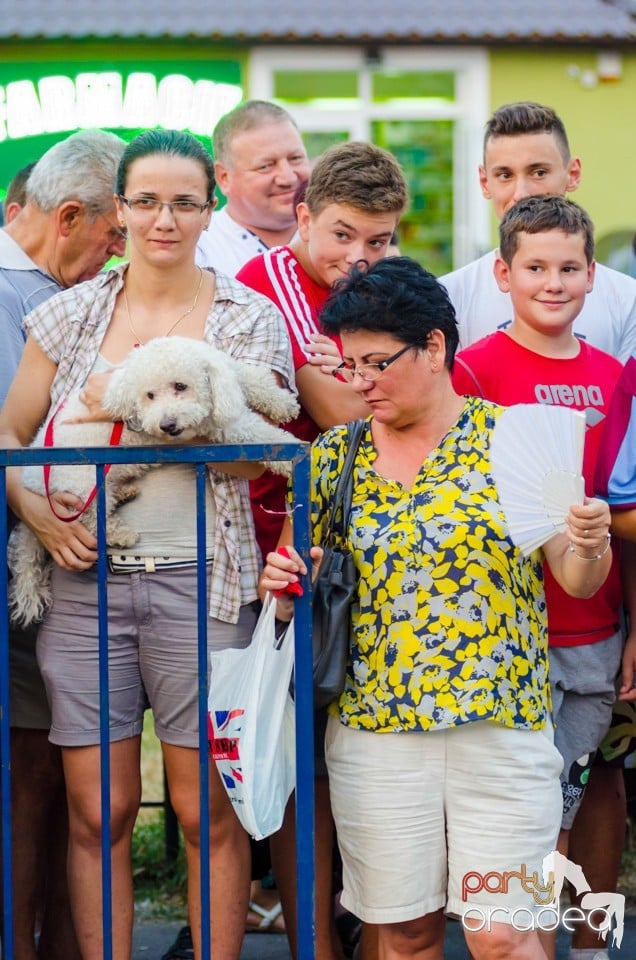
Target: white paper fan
(536, 455)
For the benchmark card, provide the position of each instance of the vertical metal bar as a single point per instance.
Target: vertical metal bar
(305, 794)
(305, 832)
(204, 785)
(104, 716)
(5, 738)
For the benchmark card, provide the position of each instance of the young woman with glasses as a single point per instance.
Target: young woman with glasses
(164, 197)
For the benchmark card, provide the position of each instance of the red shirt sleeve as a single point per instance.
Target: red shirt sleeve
(465, 381)
(276, 275)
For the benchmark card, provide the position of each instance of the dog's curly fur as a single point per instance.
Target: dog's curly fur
(173, 389)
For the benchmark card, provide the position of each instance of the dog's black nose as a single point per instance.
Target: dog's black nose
(170, 426)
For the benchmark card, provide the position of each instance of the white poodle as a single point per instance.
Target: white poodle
(172, 390)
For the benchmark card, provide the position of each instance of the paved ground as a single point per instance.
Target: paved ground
(153, 938)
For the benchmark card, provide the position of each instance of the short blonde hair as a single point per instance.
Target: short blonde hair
(247, 116)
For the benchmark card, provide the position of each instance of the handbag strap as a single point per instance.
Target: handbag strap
(344, 488)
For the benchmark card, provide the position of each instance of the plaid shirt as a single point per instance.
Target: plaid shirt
(70, 328)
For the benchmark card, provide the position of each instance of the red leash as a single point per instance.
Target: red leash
(115, 437)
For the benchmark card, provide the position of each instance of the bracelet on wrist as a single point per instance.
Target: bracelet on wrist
(597, 556)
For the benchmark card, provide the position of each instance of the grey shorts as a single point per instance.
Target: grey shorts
(29, 704)
(152, 654)
(583, 684)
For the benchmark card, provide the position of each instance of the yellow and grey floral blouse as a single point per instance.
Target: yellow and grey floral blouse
(450, 623)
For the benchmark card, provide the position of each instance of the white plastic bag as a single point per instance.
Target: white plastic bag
(251, 724)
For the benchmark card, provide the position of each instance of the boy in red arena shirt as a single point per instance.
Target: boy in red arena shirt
(545, 263)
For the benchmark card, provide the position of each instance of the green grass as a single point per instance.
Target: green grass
(160, 884)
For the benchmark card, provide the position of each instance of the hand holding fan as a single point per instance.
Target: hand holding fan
(536, 454)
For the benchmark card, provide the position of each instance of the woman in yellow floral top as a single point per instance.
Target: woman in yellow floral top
(448, 641)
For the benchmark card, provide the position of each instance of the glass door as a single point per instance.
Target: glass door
(419, 105)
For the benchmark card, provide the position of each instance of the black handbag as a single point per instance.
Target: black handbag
(334, 586)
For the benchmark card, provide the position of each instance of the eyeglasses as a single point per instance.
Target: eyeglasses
(149, 207)
(369, 371)
(119, 233)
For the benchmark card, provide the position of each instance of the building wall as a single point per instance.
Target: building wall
(600, 122)
(39, 81)
(599, 118)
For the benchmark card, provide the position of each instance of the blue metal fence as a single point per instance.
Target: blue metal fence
(298, 453)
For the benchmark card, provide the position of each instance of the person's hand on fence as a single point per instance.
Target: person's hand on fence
(293, 589)
(281, 574)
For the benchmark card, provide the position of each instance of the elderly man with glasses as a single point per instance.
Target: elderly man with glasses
(64, 234)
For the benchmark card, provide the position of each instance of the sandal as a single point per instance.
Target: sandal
(182, 948)
(267, 921)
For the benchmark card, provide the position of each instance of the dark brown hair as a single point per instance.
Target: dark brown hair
(539, 214)
(517, 119)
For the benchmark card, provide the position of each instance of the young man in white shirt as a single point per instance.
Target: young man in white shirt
(526, 152)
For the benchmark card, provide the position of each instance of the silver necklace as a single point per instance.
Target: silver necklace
(141, 343)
